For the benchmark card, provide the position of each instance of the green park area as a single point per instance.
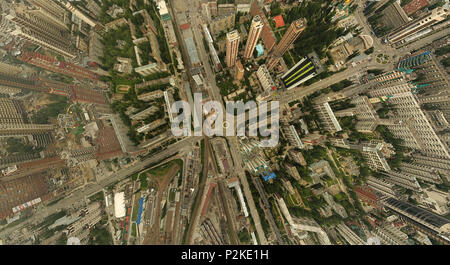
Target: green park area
(79, 130)
(163, 169)
(137, 196)
(99, 196)
(100, 236)
(17, 146)
(320, 31)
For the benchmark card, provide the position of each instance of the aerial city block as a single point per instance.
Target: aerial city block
(303, 122)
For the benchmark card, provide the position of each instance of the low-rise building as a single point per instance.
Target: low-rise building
(265, 79)
(224, 9)
(292, 136)
(297, 156)
(367, 195)
(149, 69)
(222, 24)
(151, 95)
(123, 65)
(292, 171)
(239, 70)
(436, 200)
(115, 24)
(313, 139)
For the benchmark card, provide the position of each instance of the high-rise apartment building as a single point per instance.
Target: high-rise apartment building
(433, 83)
(148, 69)
(409, 121)
(439, 164)
(10, 111)
(39, 29)
(292, 33)
(292, 136)
(13, 118)
(382, 187)
(422, 172)
(417, 25)
(267, 35)
(232, 47)
(402, 179)
(375, 159)
(366, 115)
(52, 10)
(327, 118)
(253, 36)
(412, 125)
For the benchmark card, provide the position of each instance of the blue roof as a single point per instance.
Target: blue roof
(269, 176)
(141, 203)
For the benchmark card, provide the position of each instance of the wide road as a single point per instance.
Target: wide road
(196, 24)
(411, 46)
(93, 188)
(366, 30)
(287, 96)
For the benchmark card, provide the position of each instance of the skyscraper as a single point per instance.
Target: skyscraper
(51, 10)
(39, 29)
(417, 25)
(409, 122)
(253, 36)
(292, 33)
(232, 47)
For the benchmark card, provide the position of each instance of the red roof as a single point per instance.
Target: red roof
(279, 21)
(184, 26)
(414, 5)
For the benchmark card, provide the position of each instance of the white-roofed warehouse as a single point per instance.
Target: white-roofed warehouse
(119, 205)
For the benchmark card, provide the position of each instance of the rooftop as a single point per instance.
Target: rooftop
(279, 21)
